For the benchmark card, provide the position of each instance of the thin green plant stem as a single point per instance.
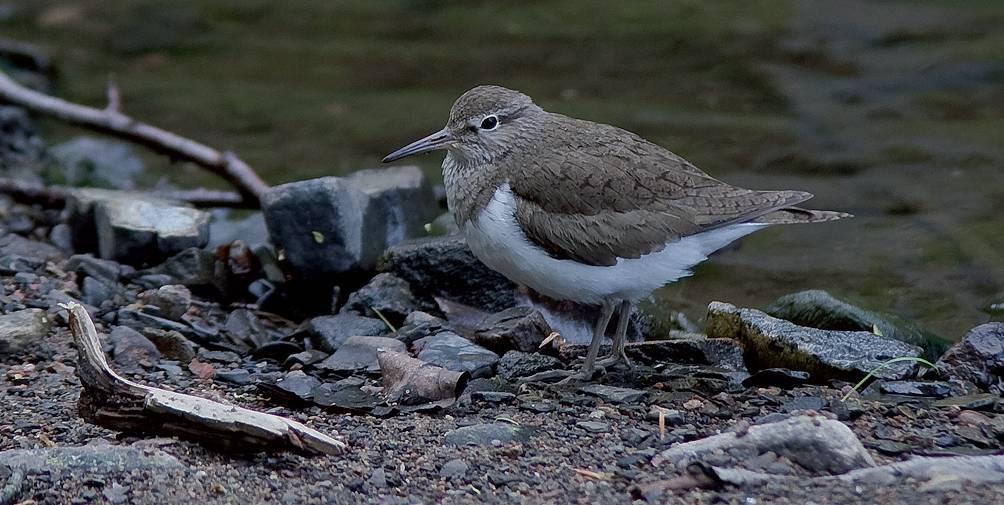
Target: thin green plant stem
(384, 319)
(883, 365)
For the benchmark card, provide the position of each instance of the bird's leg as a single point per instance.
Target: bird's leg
(617, 354)
(599, 331)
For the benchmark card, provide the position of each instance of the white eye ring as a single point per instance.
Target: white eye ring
(490, 123)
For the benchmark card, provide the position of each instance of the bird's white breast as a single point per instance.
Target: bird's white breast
(497, 240)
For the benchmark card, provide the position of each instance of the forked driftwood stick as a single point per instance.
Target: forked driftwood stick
(112, 121)
(111, 401)
(55, 196)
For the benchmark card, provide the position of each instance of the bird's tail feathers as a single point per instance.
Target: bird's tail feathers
(797, 215)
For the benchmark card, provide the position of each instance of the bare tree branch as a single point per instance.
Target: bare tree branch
(55, 196)
(109, 400)
(112, 122)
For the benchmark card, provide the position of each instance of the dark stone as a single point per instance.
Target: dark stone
(61, 236)
(445, 267)
(345, 396)
(324, 226)
(612, 394)
(192, 267)
(484, 434)
(242, 325)
(173, 301)
(171, 344)
(94, 292)
(237, 376)
(360, 353)
(106, 271)
(915, 388)
(131, 349)
(780, 377)
(136, 319)
(305, 358)
(389, 295)
(296, 385)
(593, 426)
(278, 351)
(493, 396)
(803, 403)
(516, 364)
(453, 352)
(22, 330)
(978, 358)
(826, 354)
(819, 309)
(19, 254)
(327, 333)
(514, 329)
(220, 356)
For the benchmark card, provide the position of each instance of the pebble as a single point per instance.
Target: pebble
(594, 426)
(454, 468)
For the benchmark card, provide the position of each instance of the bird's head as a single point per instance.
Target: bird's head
(485, 123)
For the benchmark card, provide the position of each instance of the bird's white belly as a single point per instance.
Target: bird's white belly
(499, 242)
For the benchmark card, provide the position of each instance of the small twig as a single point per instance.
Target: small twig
(114, 98)
(589, 474)
(55, 196)
(112, 122)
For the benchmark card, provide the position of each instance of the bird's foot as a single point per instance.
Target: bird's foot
(580, 376)
(616, 360)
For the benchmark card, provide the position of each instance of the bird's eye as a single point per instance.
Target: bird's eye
(490, 123)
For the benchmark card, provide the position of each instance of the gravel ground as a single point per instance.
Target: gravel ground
(578, 450)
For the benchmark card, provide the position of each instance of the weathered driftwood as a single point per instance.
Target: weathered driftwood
(55, 196)
(112, 121)
(111, 401)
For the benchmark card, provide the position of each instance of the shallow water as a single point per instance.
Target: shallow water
(889, 110)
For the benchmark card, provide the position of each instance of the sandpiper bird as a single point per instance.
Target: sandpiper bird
(584, 211)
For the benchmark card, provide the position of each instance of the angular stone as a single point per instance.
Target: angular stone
(94, 292)
(915, 388)
(516, 364)
(594, 426)
(192, 267)
(978, 358)
(445, 267)
(171, 344)
(360, 353)
(91, 459)
(514, 329)
(780, 377)
(19, 254)
(85, 264)
(485, 434)
(453, 352)
(327, 333)
(324, 226)
(22, 330)
(613, 394)
(402, 196)
(819, 309)
(173, 300)
(385, 293)
(826, 354)
(131, 349)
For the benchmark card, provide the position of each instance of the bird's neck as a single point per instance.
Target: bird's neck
(469, 186)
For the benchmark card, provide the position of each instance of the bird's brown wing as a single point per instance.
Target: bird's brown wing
(597, 193)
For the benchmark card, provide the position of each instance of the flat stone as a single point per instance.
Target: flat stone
(171, 344)
(819, 309)
(612, 394)
(780, 377)
(916, 388)
(593, 426)
(453, 352)
(360, 353)
(493, 396)
(513, 329)
(803, 403)
(345, 396)
(516, 364)
(485, 434)
(445, 267)
(237, 376)
(385, 293)
(826, 354)
(979, 401)
(192, 267)
(978, 358)
(104, 270)
(91, 459)
(94, 292)
(327, 333)
(324, 226)
(22, 330)
(19, 254)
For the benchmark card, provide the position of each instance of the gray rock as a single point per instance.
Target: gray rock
(220, 356)
(514, 329)
(386, 293)
(360, 353)
(297, 384)
(22, 330)
(137, 231)
(106, 271)
(978, 358)
(327, 333)
(516, 364)
(61, 236)
(171, 344)
(826, 354)
(224, 229)
(345, 395)
(781, 377)
(94, 292)
(402, 196)
(244, 327)
(453, 352)
(594, 426)
(91, 459)
(21, 149)
(131, 350)
(612, 394)
(445, 267)
(19, 254)
(94, 162)
(454, 468)
(193, 267)
(324, 226)
(172, 300)
(819, 309)
(915, 388)
(485, 434)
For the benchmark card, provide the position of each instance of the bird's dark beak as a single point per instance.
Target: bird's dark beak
(439, 140)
